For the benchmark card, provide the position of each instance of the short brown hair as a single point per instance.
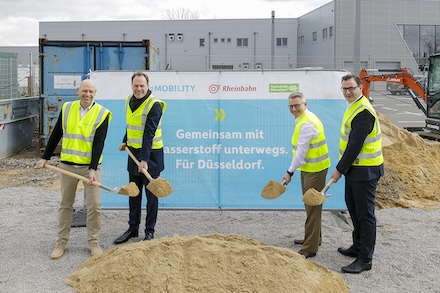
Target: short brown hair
(356, 78)
(139, 74)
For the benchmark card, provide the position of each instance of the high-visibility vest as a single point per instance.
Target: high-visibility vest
(317, 158)
(136, 123)
(78, 134)
(371, 152)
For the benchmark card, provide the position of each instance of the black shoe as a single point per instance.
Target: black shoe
(126, 236)
(351, 251)
(357, 267)
(149, 236)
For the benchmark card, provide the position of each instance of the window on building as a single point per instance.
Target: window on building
(330, 32)
(412, 39)
(242, 42)
(422, 40)
(324, 33)
(215, 40)
(201, 42)
(222, 40)
(301, 40)
(314, 36)
(281, 42)
(427, 41)
(229, 40)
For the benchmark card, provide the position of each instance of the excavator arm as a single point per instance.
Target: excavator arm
(416, 90)
(403, 77)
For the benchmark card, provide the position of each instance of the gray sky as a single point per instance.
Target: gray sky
(19, 18)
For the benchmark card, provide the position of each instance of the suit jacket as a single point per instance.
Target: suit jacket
(362, 125)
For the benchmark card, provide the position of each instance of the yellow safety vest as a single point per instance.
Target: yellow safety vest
(317, 158)
(136, 123)
(371, 152)
(78, 134)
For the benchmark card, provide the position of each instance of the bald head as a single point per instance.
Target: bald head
(86, 92)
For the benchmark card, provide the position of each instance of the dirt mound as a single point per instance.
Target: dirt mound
(212, 263)
(411, 168)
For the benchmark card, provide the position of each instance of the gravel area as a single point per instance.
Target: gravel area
(407, 256)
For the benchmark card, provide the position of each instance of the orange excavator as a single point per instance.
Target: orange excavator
(403, 77)
(430, 95)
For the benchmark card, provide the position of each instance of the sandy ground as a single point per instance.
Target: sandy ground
(407, 257)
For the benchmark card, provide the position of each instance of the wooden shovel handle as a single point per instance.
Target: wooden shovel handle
(79, 177)
(331, 181)
(145, 172)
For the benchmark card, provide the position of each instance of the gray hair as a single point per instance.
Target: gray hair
(296, 95)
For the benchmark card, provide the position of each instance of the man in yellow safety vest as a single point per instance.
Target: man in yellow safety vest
(82, 125)
(310, 156)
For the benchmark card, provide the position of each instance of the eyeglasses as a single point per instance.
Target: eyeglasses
(296, 106)
(350, 89)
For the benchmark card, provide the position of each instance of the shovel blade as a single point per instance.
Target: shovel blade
(131, 190)
(272, 190)
(313, 197)
(160, 187)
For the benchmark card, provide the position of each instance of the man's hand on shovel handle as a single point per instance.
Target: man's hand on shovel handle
(336, 175)
(92, 176)
(122, 146)
(40, 164)
(286, 178)
(143, 165)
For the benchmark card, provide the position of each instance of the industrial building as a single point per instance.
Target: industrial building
(391, 34)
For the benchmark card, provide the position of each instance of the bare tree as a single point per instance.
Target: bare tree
(180, 13)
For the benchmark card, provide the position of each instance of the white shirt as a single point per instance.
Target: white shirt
(307, 133)
(83, 111)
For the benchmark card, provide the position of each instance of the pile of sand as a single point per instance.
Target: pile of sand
(412, 165)
(213, 263)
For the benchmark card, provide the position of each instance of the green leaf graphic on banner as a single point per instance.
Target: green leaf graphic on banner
(283, 87)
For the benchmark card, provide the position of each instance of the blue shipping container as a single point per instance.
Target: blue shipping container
(63, 64)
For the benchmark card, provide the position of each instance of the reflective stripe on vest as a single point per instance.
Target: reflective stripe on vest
(371, 152)
(78, 134)
(317, 157)
(137, 120)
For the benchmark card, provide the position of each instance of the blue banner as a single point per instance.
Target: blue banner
(226, 134)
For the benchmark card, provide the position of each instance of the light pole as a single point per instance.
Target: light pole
(273, 40)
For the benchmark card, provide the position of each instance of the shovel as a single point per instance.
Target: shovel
(273, 189)
(131, 189)
(160, 187)
(313, 197)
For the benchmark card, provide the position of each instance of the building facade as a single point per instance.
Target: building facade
(26, 79)
(195, 45)
(392, 34)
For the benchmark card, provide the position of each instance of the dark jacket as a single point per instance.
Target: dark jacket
(362, 125)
